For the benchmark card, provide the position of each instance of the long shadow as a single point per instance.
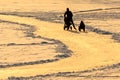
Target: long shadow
(73, 31)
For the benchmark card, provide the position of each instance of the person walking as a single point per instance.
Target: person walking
(68, 15)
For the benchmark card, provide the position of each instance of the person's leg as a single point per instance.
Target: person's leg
(64, 26)
(73, 24)
(84, 29)
(66, 23)
(79, 29)
(70, 27)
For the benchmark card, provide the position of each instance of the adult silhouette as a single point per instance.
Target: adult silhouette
(68, 18)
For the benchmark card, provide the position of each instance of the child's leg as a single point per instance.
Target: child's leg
(79, 28)
(84, 29)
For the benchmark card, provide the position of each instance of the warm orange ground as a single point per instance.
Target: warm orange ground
(16, 34)
(89, 49)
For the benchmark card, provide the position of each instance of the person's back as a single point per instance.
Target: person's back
(68, 14)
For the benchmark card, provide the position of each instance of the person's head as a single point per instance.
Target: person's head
(67, 9)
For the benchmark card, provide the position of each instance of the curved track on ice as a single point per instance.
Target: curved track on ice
(90, 50)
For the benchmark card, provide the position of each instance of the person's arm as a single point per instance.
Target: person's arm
(71, 14)
(65, 14)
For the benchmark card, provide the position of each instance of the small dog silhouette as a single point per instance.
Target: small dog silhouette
(81, 26)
